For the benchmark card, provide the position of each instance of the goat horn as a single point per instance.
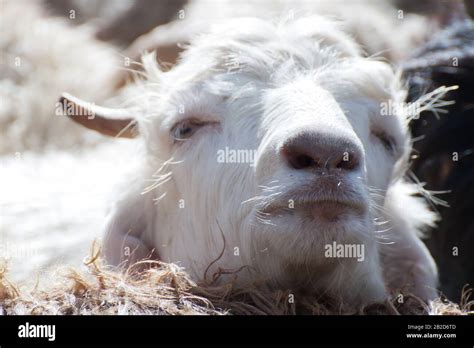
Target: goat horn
(108, 121)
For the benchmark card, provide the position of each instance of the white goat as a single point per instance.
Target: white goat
(328, 168)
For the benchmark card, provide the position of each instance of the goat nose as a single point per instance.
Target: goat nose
(315, 150)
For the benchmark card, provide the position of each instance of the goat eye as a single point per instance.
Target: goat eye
(386, 140)
(185, 129)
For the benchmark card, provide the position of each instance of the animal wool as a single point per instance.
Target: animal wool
(329, 165)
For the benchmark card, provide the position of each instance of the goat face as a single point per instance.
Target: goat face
(271, 145)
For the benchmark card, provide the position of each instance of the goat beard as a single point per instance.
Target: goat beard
(295, 257)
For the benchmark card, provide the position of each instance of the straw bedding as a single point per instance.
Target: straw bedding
(166, 289)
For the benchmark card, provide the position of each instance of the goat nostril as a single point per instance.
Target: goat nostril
(320, 152)
(301, 161)
(348, 161)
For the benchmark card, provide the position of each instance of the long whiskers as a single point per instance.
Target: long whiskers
(159, 178)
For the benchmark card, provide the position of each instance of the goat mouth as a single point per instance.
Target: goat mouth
(324, 210)
(332, 211)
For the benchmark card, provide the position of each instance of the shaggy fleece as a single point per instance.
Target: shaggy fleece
(166, 289)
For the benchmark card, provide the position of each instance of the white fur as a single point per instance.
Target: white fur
(292, 75)
(379, 27)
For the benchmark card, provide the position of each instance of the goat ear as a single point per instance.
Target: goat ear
(111, 122)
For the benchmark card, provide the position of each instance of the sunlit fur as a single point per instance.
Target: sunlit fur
(290, 76)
